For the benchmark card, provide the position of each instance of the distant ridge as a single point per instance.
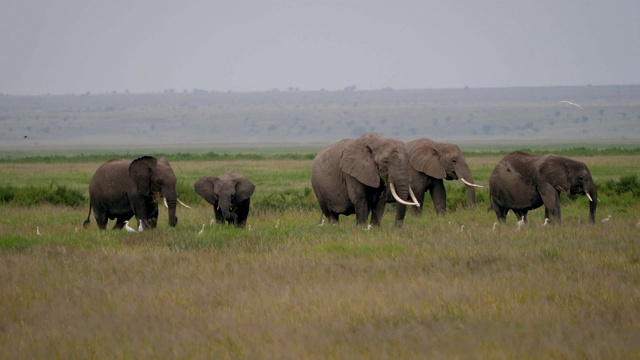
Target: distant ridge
(610, 113)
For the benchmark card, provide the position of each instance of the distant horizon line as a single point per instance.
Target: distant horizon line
(351, 88)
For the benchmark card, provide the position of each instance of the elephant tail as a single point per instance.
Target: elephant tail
(86, 223)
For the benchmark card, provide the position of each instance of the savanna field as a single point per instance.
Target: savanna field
(440, 287)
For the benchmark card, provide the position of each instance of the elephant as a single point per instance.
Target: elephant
(230, 195)
(431, 162)
(354, 176)
(120, 189)
(523, 182)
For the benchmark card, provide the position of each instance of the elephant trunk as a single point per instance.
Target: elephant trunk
(464, 174)
(399, 177)
(592, 194)
(225, 206)
(171, 198)
(173, 219)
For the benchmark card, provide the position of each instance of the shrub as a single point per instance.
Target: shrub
(627, 184)
(36, 195)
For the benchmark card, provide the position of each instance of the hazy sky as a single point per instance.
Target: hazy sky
(75, 46)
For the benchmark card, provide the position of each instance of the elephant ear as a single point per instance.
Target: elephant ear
(205, 187)
(358, 161)
(163, 160)
(140, 171)
(244, 188)
(555, 171)
(425, 158)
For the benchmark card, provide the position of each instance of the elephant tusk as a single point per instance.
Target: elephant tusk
(469, 184)
(395, 196)
(183, 204)
(589, 196)
(413, 197)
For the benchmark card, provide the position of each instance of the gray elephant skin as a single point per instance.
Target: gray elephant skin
(431, 163)
(523, 182)
(230, 195)
(121, 189)
(353, 176)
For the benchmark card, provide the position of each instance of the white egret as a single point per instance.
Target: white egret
(606, 219)
(140, 227)
(38, 230)
(201, 230)
(321, 223)
(461, 228)
(129, 228)
(495, 225)
(367, 228)
(212, 222)
(520, 223)
(546, 221)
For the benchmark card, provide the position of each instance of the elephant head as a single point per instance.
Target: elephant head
(442, 161)
(229, 194)
(372, 159)
(152, 176)
(570, 177)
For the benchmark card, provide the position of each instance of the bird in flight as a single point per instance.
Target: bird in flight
(570, 104)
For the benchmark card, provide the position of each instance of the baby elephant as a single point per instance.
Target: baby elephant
(229, 194)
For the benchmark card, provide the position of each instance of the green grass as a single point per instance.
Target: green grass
(289, 288)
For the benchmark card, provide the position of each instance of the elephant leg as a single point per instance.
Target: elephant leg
(101, 218)
(521, 214)
(401, 211)
(551, 200)
(152, 215)
(439, 197)
(417, 210)
(377, 209)
(242, 213)
(360, 204)
(501, 213)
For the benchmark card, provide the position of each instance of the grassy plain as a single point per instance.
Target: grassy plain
(299, 290)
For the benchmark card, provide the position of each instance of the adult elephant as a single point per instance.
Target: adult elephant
(431, 163)
(523, 182)
(230, 195)
(120, 189)
(354, 175)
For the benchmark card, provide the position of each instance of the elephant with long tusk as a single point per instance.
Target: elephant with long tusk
(355, 176)
(430, 163)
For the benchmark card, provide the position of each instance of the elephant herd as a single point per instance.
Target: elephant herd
(121, 189)
(353, 176)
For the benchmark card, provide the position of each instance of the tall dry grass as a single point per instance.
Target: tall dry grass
(299, 290)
